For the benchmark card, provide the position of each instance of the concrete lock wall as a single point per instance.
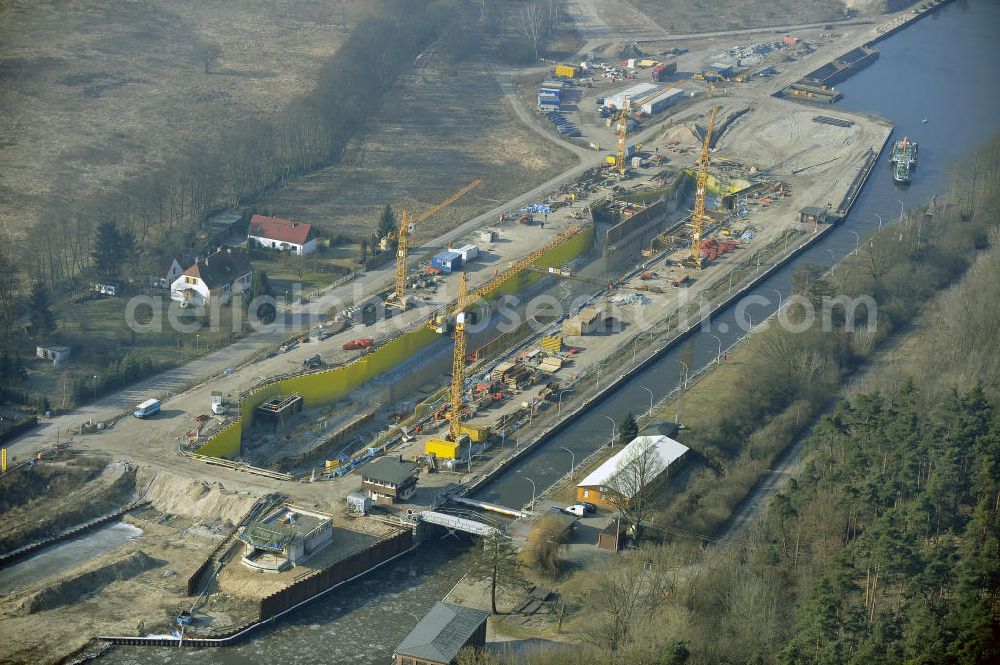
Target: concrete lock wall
(328, 386)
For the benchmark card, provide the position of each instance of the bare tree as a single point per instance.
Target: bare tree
(531, 21)
(628, 486)
(207, 55)
(625, 594)
(496, 562)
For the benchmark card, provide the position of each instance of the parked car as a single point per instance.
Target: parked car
(576, 509)
(589, 507)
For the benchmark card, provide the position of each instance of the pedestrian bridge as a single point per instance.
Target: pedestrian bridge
(454, 523)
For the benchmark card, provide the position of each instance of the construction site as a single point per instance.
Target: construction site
(308, 463)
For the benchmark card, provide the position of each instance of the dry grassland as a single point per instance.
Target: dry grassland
(93, 92)
(444, 125)
(687, 16)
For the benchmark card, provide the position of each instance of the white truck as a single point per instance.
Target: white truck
(218, 405)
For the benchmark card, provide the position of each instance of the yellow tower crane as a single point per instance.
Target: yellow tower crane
(440, 322)
(701, 182)
(403, 240)
(458, 361)
(622, 130)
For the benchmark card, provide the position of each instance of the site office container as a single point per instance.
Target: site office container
(441, 448)
(468, 252)
(447, 261)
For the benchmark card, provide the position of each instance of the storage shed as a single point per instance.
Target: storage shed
(444, 631)
(447, 261)
(662, 101)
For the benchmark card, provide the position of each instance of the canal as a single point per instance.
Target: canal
(941, 69)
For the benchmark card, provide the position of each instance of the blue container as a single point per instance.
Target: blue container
(447, 261)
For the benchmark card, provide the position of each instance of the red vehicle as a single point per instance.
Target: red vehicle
(357, 344)
(680, 281)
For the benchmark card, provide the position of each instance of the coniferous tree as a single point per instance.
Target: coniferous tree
(43, 321)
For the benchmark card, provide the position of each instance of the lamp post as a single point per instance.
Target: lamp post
(779, 297)
(197, 343)
(833, 257)
(901, 209)
(93, 386)
(650, 398)
(614, 429)
(634, 343)
(559, 401)
(857, 241)
(718, 356)
(531, 506)
(687, 371)
(879, 220)
(572, 461)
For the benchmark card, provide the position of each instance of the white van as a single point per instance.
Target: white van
(576, 509)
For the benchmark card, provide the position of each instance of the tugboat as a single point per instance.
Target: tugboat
(903, 159)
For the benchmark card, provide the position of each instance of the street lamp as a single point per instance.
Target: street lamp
(718, 339)
(687, 371)
(650, 398)
(779, 297)
(614, 430)
(559, 401)
(879, 220)
(833, 257)
(857, 241)
(197, 343)
(572, 461)
(901, 209)
(634, 343)
(93, 385)
(531, 506)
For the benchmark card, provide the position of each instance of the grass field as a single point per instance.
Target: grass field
(95, 92)
(687, 16)
(444, 125)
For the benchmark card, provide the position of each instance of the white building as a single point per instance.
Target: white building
(635, 93)
(282, 234)
(594, 488)
(215, 277)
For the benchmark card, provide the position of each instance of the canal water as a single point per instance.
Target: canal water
(64, 556)
(941, 69)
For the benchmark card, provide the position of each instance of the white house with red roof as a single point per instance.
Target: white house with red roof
(216, 277)
(282, 234)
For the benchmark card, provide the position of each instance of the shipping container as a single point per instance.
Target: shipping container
(569, 71)
(556, 85)
(475, 432)
(441, 448)
(447, 261)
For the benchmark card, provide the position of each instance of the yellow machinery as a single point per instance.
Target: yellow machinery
(403, 240)
(458, 360)
(698, 217)
(622, 130)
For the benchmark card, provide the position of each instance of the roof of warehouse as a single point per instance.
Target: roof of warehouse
(667, 449)
(442, 633)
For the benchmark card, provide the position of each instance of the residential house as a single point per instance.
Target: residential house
(166, 277)
(282, 234)
(594, 488)
(444, 631)
(216, 277)
(389, 479)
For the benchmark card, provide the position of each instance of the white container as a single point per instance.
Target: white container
(468, 252)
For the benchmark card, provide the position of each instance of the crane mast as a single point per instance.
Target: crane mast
(701, 183)
(458, 360)
(403, 238)
(622, 128)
